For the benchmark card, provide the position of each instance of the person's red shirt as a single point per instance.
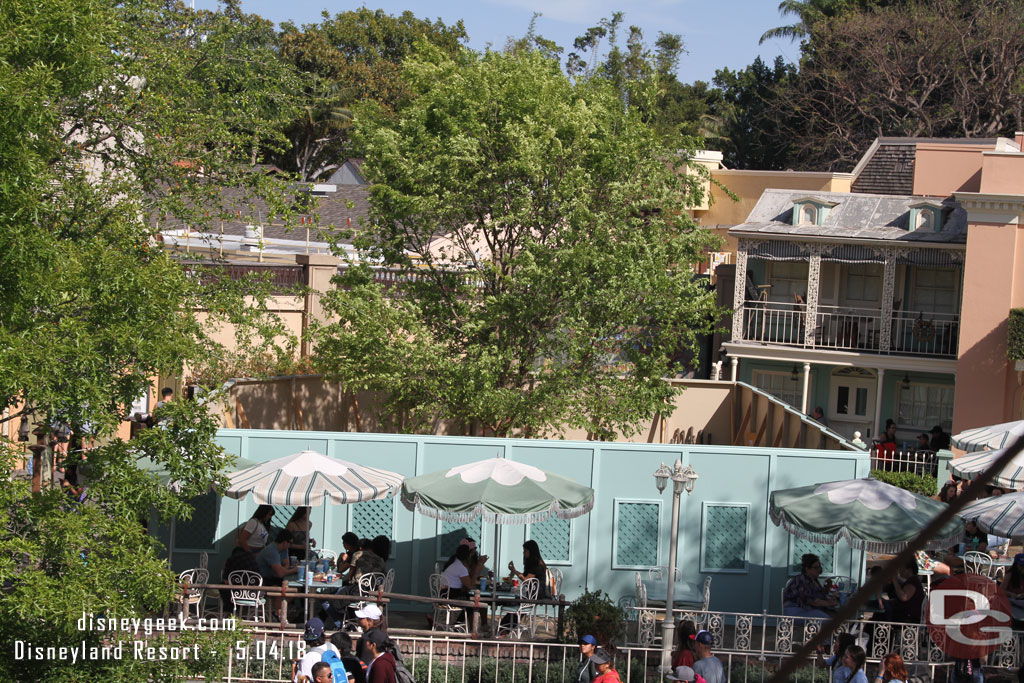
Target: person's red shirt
(609, 676)
(683, 658)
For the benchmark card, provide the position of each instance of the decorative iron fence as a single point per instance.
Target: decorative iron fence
(917, 462)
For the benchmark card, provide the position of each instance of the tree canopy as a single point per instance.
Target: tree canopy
(552, 285)
(116, 117)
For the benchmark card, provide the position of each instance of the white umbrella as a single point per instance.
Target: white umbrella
(999, 515)
(970, 467)
(310, 478)
(988, 438)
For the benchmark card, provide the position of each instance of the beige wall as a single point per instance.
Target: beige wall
(748, 186)
(986, 384)
(940, 170)
(1002, 173)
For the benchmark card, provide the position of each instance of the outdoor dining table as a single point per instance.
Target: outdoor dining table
(494, 599)
(313, 587)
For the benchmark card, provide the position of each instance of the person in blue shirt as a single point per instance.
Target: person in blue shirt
(853, 659)
(274, 566)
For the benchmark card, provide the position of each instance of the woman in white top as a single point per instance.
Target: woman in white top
(253, 536)
(460, 572)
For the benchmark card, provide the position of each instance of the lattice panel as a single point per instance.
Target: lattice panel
(200, 532)
(799, 547)
(453, 532)
(636, 534)
(554, 537)
(282, 513)
(725, 537)
(373, 518)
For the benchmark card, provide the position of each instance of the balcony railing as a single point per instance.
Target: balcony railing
(912, 333)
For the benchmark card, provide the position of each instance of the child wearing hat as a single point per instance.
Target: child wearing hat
(685, 673)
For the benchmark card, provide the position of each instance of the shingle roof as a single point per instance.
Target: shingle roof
(875, 217)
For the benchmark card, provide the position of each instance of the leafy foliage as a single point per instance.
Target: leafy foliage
(1015, 341)
(552, 284)
(924, 484)
(117, 119)
(596, 614)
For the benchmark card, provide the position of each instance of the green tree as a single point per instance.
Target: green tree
(552, 281)
(350, 60)
(116, 118)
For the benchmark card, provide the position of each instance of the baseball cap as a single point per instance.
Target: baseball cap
(601, 657)
(314, 629)
(591, 640)
(704, 638)
(682, 673)
(368, 611)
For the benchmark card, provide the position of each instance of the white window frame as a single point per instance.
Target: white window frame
(915, 288)
(929, 423)
(757, 375)
(792, 284)
(704, 569)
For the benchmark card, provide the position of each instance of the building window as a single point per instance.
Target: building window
(554, 538)
(923, 406)
(808, 214)
(798, 547)
(374, 518)
(636, 531)
(781, 385)
(786, 279)
(863, 283)
(451, 533)
(723, 545)
(934, 290)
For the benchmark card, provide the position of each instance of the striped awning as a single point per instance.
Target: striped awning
(1002, 516)
(311, 478)
(971, 466)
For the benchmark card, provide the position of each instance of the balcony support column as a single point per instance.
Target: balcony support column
(888, 292)
(804, 397)
(878, 396)
(813, 285)
(739, 292)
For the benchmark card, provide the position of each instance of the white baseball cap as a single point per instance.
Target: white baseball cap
(369, 611)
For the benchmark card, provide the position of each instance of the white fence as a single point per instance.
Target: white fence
(917, 462)
(750, 646)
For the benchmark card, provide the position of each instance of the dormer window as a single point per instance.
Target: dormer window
(926, 216)
(811, 211)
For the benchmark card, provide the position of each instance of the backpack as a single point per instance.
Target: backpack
(403, 675)
(338, 672)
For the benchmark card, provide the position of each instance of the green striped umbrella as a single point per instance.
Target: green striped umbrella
(988, 438)
(500, 490)
(311, 478)
(970, 467)
(999, 515)
(866, 513)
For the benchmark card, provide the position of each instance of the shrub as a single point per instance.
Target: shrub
(596, 614)
(924, 484)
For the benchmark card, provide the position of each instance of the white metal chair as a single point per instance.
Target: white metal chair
(325, 554)
(193, 597)
(204, 560)
(446, 617)
(658, 573)
(367, 586)
(554, 585)
(977, 563)
(515, 621)
(244, 597)
(386, 586)
(707, 594)
(646, 616)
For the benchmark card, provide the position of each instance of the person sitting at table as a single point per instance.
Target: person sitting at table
(923, 443)
(381, 547)
(907, 596)
(533, 567)
(350, 543)
(274, 567)
(940, 439)
(804, 596)
(927, 563)
(949, 491)
(300, 526)
(254, 534)
(974, 539)
(461, 573)
(365, 561)
(686, 653)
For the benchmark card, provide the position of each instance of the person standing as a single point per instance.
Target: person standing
(707, 665)
(381, 667)
(586, 672)
(316, 644)
(369, 616)
(891, 669)
(602, 660)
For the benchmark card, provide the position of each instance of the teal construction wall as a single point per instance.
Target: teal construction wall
(724, 530)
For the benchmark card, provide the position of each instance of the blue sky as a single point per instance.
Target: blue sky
(717, 33)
